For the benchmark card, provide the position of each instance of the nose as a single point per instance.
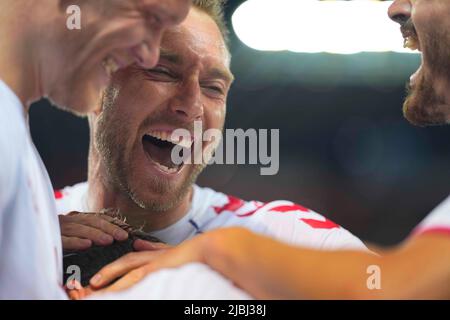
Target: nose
(147, 53)
(187, 104)
(400, 11)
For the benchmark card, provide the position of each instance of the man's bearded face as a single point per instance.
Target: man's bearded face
(143, 107)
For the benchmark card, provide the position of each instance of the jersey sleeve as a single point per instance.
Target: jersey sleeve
(288, 222)
(71, 198)
(437, 222)
(298, 225)
(9, 169)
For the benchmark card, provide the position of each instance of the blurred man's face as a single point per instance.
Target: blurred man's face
(143, 107)
(113, 35)
(425, 25)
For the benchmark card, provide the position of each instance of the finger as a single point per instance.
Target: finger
(86, 292)
(175, 257)
(74, 295)
(79, 294)
(72, 213)
(102, 223)
(74, 243)
(86, 232)
(117, 269)
(105, 217)
(73, 285)
(121, 266)
(128, 280)
(134, 276)
(142, 245)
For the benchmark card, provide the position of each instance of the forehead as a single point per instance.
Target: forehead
(198, 37)
(173, 10)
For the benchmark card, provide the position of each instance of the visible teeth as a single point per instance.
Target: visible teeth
(411, 43)
(185, 143)
(166, 169)
(110, 65)
(164, 136)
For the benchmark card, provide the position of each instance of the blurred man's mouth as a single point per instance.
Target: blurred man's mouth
(411, 41)
(158, 146)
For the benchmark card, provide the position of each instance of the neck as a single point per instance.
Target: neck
(103, 195)
(19, 49)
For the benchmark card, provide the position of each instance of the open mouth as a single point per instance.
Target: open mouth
(158, 146)
(409, 33)
(411, 41)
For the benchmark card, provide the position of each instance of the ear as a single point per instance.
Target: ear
(99, 108)
(95, 112)
(92, 117)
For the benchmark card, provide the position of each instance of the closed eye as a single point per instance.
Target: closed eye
(214, 91)
(217, 89)
(161, 74)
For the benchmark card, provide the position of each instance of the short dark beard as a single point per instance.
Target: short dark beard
(425, 106)
(177, 195)
(109, 141)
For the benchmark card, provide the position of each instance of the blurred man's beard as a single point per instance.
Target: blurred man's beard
(110, 138)
(425, 105)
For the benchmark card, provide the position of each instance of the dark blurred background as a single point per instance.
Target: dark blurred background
(345, 149)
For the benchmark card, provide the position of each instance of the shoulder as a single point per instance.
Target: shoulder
(13, 139)
(283, 220)
(71, 198)
(438, 221)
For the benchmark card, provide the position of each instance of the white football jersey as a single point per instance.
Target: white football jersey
(282, 220)
(30, 240)
(193, 281)
(438, 221)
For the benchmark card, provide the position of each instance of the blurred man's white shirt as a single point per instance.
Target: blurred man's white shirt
(192, 282)
(30, 242)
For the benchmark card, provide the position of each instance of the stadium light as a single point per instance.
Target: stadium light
(311, 26)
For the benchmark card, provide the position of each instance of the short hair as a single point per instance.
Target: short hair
(215, 9)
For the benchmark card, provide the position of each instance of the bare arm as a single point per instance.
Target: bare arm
(268, 269)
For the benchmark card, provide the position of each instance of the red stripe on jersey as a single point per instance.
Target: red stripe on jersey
(314, 223)
(317, 224)
(250, 213)
(292, 207)
(233, 204)
(58, 194)
(441, 230)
